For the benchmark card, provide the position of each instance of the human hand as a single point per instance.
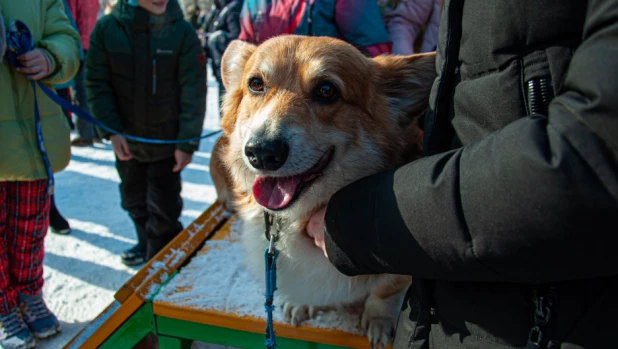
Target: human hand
(315, 229)
(121, 147)
(182, 160)
(36, 64)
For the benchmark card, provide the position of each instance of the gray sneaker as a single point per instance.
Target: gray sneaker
(41, 321)
(14, 334)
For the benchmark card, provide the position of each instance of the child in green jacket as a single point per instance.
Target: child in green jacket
(24, 198)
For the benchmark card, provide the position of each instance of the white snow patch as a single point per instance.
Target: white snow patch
(218, 280)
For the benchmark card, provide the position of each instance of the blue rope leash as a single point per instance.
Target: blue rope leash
(271, 286)
(19, 41)
(270, 259)
(85, 116)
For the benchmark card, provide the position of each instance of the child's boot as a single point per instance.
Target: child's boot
(41, 321)
(14, 334)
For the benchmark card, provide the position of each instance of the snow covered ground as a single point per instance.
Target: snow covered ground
(82, 270)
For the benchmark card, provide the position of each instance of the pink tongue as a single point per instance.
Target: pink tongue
(274, 192)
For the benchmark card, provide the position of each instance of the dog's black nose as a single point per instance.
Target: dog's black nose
(266, 154)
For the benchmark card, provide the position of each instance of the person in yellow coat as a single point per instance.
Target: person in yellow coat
(24, 198)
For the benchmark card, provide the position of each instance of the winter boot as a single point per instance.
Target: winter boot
(41, 321)
(14, 334)
(57, 223)
(136, 255)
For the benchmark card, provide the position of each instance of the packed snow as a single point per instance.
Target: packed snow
(218, 280)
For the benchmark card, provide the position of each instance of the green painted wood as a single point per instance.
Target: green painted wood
(166, 342)
(226, 336)
(133, 330)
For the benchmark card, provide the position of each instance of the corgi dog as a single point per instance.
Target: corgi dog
(303, 117)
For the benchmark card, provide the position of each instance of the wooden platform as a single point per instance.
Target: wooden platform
(146, 303)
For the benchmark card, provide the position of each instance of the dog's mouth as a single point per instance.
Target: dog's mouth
(277, 193)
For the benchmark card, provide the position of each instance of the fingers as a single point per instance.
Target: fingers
(30, 56)
(121, 148)
(33, 63)
(35, 73)
(180, 164)
(124, 147)
(182, 160)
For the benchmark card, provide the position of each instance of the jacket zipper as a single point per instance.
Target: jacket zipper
(164, 52)
(543, 303)
(539, 93)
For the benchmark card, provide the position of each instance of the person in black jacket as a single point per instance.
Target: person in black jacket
(221, 25)
(509, 225)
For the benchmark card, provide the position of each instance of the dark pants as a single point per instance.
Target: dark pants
(150, 193)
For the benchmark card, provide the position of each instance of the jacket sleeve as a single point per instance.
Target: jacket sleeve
(192, 76)
(246, 25)
(360, 22)
(101, 97)
(534, 202)
(405, 23)
(61, 41)
(233, 23)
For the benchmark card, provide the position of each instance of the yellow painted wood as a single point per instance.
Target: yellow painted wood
(185, 242)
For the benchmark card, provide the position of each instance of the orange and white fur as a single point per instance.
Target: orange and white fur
(303, 117)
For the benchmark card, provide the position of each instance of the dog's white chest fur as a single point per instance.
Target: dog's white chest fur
(304, 275)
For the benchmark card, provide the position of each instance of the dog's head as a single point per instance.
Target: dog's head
(307, 115)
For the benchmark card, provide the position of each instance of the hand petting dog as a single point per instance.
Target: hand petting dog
(315, 229)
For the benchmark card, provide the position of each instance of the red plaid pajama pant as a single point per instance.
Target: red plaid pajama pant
(24, 218)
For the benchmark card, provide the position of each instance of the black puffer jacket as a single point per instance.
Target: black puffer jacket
(146, 76)
(517, 203)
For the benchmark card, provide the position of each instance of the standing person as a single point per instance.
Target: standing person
(358, 22)
(145, 75)
(508, 225)
(24, 194)
(405, 22)
(85, 14)
(221, 26)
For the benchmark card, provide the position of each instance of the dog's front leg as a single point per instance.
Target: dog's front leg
(381, 309)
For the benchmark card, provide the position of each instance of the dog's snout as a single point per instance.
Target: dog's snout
(267, 154)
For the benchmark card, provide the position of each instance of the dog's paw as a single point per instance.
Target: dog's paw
(380, 332)
(296, 314)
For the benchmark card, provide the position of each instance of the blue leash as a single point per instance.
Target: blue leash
(270, 259)
(19, 41)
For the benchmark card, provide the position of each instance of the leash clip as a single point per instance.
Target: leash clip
(272, 237)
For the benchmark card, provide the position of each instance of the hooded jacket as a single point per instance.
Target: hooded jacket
(146, 76)
(20, 159)
(509, 224)
(357, 22)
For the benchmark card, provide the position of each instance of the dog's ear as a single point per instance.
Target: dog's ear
(233, 62)
(406, 82)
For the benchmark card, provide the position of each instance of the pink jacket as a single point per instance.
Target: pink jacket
(406, 20)
(85, 14)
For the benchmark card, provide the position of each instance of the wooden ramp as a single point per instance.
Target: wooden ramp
(145, 304)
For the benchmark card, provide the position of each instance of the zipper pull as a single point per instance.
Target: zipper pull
(534, 338)
(154, 76)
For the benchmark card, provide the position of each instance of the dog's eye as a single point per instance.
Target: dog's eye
(256, 85)
(326, 92)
